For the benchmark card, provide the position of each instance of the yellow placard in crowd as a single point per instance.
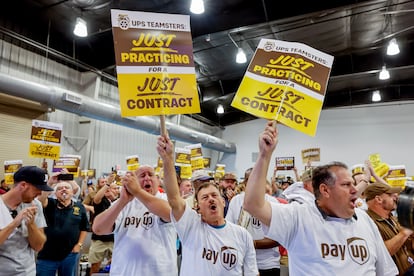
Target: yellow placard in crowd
(197, 161)
(312, 154)
(69, 162)
(10, 167)
(285, 163)
(182, 156)
(132, 162)
(45, 139)
(207, 162)
(219, 171)
(285, 81)
(155, 63)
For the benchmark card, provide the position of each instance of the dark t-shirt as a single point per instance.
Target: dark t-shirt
(63, 229)
(99, 208)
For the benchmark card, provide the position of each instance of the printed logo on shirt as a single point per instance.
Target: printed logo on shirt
(76, 210)
(146, 221)
(228, 256)
(256, 223)
(357, 250)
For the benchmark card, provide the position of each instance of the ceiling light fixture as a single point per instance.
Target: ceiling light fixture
(220, 109)
(81, 29)
(384, 74)
(393, 48)
(376, 96)
(197, 6)
(241, 56)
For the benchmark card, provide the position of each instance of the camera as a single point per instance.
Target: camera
(405, 206)
(65, 176)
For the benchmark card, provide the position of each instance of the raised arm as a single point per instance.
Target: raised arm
(254, 200)
(101, 193)
(165, 149)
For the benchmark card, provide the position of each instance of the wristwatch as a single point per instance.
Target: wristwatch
(80, 245)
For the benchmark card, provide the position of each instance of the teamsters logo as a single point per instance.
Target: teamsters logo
(123, 21)
(269, 46)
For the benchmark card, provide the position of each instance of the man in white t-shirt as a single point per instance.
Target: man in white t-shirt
(145, 239)
(267, 250)
(330, 237)
(210, 244)
(22, 222)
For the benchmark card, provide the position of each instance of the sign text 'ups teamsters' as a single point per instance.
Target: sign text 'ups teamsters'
(155, 64)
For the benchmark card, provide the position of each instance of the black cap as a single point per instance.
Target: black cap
(33, 175)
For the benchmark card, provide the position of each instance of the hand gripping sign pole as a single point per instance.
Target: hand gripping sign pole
(163, 129)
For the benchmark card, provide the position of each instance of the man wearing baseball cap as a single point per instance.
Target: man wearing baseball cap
(22, 222)
(228, 185)
(197, 179)
(382, 200)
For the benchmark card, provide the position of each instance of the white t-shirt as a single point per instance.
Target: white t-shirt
(207, 250)
(329, 246)
(266, 258)
(296, 193)
(144, 244)
(16, 255)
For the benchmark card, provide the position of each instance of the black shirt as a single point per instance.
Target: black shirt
(99, 208)
(64, 225)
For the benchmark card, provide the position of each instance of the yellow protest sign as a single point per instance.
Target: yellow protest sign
(285, 81)
(285, 163)
(219, 171)
(45, 139)
(312, 154)
(155, 63)
(182, 156)
(207, 162)
(183, 161)
(197, 160)
(132, 162)
(69, 162)
(10, 167)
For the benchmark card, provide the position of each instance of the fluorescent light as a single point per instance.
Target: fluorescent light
(241, 56)
(197, 6)
(384, 74)
(393, 48)
(220, 109)
(80, 28)
(376, 96)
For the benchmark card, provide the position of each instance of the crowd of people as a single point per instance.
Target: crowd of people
(326, 221)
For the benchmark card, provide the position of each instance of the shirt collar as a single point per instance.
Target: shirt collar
(327, 217)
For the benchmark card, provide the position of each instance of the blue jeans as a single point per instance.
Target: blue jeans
(65, 267)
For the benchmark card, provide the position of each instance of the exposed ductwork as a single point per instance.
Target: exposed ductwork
(85, 106)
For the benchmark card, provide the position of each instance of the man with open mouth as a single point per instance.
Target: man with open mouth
(210, 244)
(329, 237)
(145, 239)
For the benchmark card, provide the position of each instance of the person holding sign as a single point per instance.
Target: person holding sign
(145, 240)
(22, 222)
(329, 237)
(210, 244)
